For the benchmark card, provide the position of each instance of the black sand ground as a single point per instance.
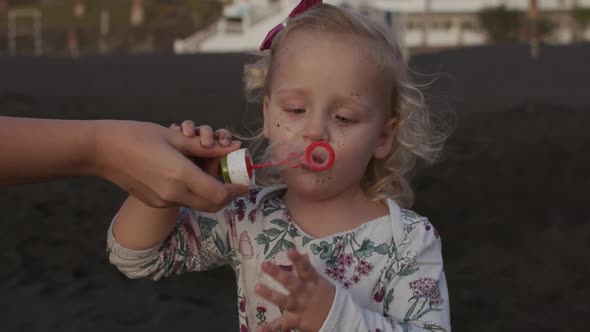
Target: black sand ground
(509, 197)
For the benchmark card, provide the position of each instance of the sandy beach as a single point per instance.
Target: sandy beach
(509, 196)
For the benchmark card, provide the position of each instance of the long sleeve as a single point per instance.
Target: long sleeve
(412, 295)
(199, 241)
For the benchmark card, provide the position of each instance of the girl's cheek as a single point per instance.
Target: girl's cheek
(281, 126)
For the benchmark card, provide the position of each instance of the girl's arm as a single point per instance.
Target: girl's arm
(144, 159)
(139, 227)
(143, 244)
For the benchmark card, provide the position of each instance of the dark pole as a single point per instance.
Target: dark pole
(534, 28)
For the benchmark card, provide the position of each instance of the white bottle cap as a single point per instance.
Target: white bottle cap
(234, 168)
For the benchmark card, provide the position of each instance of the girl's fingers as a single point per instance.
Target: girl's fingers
(288, 279)
(265, 328)
(284, 301)
(206, 134)
(302, 265)
(223, 136)
(188, 128)
(280, 324)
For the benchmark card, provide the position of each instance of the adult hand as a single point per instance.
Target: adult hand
(309, 300)
(149, 161)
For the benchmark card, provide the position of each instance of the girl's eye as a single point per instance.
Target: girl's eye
(296, 110)
(343, 120)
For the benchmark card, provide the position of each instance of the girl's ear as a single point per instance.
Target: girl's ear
(265, 106)
(385, 140)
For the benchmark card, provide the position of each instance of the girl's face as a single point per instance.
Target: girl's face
(326, 87)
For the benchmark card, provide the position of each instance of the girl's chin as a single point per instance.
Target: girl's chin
(310, 184)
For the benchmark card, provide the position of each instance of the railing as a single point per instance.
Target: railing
(14, 32)
(193, 43)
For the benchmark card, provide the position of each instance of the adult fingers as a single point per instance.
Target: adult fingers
(201, 203)
(206, 193)
(204, 201)
(209, 166)
(175, 126)
(150, 198)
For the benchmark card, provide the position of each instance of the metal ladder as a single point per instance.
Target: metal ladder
(35, 32)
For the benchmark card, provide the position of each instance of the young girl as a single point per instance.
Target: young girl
(316, 251)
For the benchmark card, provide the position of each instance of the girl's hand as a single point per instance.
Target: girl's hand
(310, 295)
(208, 138)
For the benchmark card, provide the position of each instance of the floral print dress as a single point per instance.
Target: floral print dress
(388, 272)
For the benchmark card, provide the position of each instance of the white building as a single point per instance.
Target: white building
(429, 24)
(421, 24)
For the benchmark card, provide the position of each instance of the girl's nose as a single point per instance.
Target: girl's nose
(316, 129)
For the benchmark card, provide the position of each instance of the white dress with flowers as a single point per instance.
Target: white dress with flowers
(388, 272)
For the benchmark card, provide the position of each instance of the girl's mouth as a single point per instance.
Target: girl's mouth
(319, 156)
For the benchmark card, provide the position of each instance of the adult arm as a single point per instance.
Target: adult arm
(145, 159)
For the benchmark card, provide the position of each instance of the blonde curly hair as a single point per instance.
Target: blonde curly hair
(416, 135)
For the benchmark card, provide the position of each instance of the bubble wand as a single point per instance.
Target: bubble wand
(237, 167)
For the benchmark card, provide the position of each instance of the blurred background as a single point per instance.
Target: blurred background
(509, 196)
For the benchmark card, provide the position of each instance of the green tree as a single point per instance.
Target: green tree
(581, 16)
(581, 19)
(502, 25)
